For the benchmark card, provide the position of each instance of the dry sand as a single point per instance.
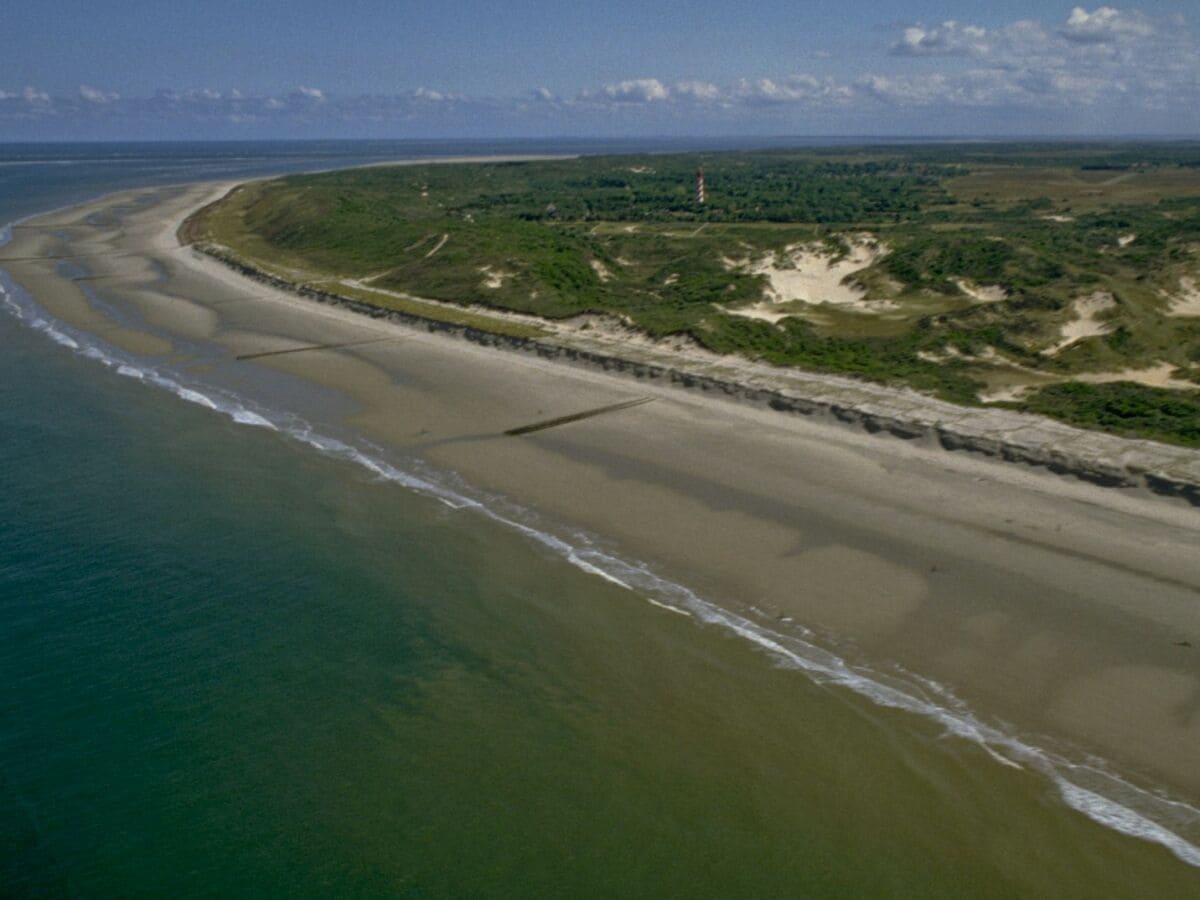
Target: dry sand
(1187, 301)
(600, 269)
(1085, 324)
(1161, 375)
(1012, 382)
(1058, 606)
(812, 274)
(493, 279)
(991, 293)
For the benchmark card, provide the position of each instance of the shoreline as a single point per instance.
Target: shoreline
(1063, 449)
(952, 566)
(1005, 435)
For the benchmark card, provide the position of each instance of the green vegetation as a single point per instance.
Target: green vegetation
(1123, 408)
(988, 252)
(416, 307)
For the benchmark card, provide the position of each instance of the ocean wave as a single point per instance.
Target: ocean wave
(1101, 796)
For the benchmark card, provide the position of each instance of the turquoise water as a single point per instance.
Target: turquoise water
(233, 666)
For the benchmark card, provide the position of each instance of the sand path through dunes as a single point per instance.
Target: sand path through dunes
(991, 293)
(438, 246)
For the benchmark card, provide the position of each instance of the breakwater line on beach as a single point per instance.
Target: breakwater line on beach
(1100, 796)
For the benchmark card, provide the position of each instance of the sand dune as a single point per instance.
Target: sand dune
(814, 274)
(1187, 301)
(1086, 322)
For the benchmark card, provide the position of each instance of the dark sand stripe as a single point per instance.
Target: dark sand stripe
(341, 346)
(575, 417)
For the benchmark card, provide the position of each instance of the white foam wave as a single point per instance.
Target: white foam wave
(1131, 815)
(245, 417)
(191, 396)
(586, 566)
(1125, 820)
(63, 339)
(668, 607)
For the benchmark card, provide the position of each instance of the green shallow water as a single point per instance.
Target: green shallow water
(235, 667)
(231, 666)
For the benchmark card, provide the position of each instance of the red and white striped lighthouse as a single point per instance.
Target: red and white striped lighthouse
(700, 186)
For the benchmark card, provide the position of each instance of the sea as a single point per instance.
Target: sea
(239, 659)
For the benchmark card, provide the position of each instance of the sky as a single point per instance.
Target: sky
(138, 70)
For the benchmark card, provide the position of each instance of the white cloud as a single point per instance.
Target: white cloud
(429, 95)
(697, 90)
(918, 90)
(948, 39)
(635, 90)
(786, 89)
(1109, 31)
(792, 89)
(94, 95)
(1105, 24)
(1103, 56)
(1105, 65)
(203, 95)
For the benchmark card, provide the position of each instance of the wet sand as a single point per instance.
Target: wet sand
(1068, 611)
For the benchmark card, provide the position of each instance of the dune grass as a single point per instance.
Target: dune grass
(1032, 227)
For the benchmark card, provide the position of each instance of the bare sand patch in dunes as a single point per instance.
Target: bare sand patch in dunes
(1086, 322)
(814, 274)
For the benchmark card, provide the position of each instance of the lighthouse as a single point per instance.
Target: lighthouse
(700, 186)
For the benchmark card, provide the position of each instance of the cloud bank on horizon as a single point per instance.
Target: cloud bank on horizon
(1102, 71)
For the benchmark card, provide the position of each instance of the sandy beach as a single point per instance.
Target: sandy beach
(1068, 611)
